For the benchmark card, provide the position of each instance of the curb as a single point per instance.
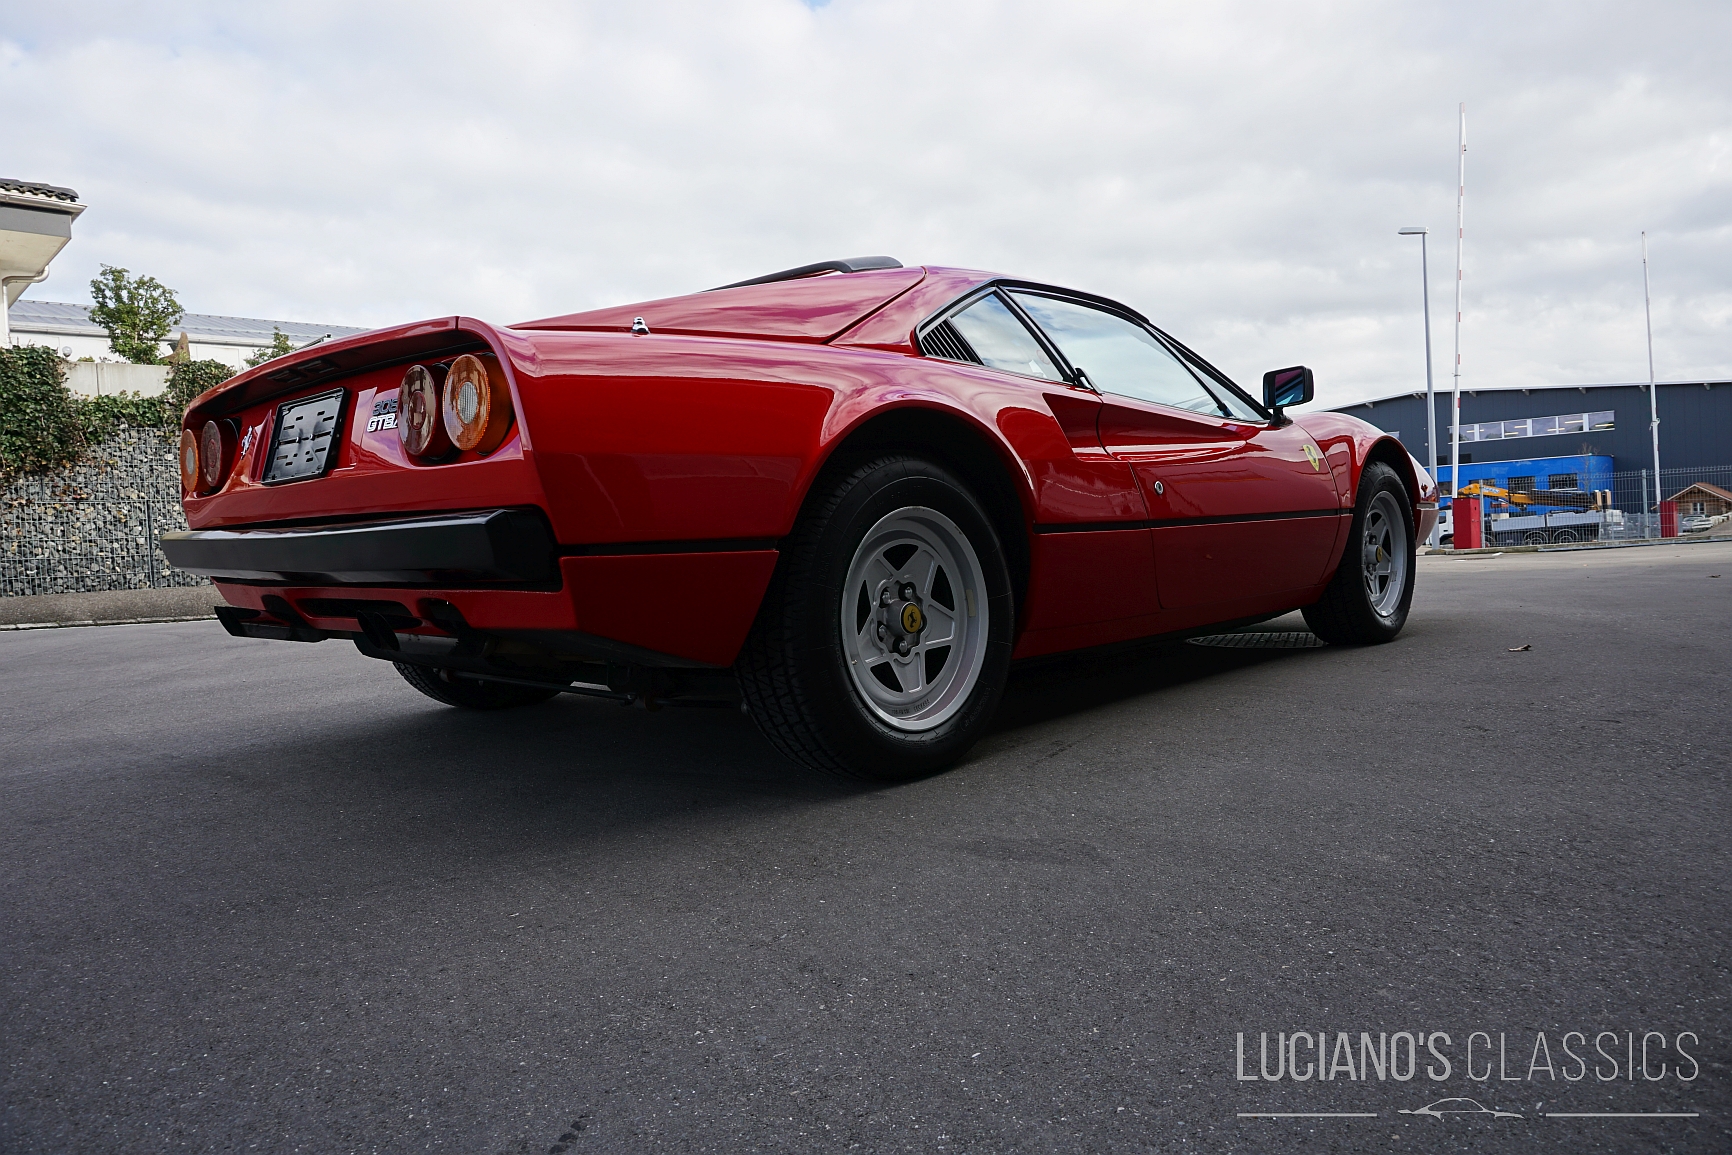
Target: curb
(1577, 548)
(105, 622)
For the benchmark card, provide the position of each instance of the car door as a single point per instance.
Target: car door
(1093, 562)
(1239, 508)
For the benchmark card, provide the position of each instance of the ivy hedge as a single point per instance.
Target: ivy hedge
(44, 425)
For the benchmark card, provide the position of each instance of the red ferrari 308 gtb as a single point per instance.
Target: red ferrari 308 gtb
(844, 497)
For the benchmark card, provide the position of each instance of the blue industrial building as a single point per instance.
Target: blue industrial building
(1534, 424)
(1540, 476)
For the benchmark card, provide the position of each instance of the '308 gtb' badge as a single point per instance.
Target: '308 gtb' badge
(384, 415)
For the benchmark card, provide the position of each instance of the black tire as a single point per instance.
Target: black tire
(794, 671)
(467, 693)
(1347, 614)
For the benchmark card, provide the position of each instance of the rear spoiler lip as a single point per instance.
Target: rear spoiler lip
(341, 357)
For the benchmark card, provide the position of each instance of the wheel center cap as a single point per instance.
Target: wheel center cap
(913, 621)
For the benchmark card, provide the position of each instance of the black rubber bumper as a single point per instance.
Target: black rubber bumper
(488, 547)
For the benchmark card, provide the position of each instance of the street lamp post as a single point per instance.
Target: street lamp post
(1430, 393)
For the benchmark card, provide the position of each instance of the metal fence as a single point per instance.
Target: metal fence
(58, 544)
(1635, 493)
(1621, 506)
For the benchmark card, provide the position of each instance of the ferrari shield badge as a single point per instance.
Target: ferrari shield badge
(1314, 457)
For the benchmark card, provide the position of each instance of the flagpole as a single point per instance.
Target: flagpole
(1653, 391)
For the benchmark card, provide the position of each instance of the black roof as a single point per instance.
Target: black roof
(34, 188)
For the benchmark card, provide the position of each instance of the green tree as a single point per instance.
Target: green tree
(190, 378)
(279, 345)
(137, 312)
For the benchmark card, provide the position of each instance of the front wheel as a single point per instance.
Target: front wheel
(884, 641)
(1367, 600)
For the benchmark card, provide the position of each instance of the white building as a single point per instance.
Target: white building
(231, 340)
(35, 224)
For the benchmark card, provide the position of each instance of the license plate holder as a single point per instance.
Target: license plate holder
(304, 441)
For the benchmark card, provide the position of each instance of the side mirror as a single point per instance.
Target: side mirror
(1284, 387)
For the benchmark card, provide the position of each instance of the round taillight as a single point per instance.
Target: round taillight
(477, 403)
(189, 471)
(216, 453)
(419, 425)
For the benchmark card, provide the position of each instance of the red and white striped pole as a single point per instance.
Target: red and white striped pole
(1460, 235)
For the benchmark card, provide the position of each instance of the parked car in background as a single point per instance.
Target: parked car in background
(844, 497)
(1696, 523)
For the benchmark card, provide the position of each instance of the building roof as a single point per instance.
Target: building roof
(1704, 485)
(1443, 390)
(30, 315)
(34, 188)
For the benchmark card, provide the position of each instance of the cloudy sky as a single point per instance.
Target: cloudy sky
(1236, 170)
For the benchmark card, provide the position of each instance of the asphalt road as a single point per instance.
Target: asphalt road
(263, 896)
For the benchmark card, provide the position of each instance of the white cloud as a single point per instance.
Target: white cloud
(1235, 170)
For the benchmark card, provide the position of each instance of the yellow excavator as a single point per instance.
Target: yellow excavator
(1540, 498)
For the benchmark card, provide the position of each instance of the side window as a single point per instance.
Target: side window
(1000, 341)
(1229, 397)
(1119, 356)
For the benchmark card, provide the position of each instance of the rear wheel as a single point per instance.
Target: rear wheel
(1368, 599)
(442, 686)
(884, 641)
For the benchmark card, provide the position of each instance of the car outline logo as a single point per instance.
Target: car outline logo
(1468, 1106)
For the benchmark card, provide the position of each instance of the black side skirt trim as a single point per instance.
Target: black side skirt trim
(633, 548)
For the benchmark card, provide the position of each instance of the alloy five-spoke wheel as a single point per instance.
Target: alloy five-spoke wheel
(1384, 553)
(914, 649)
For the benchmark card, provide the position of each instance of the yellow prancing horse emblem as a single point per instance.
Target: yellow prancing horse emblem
(913, 621)
(1314, 457)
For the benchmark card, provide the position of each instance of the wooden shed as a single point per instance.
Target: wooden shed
(1703, 498)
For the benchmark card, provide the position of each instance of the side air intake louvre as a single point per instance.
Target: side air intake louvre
(944, 341)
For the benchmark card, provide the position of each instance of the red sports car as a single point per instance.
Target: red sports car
(844, 498)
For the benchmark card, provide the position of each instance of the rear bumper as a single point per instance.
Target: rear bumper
(485, 547)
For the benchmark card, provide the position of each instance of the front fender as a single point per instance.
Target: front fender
(1350, 444)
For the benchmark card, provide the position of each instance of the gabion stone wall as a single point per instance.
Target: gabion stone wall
(93, 526)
